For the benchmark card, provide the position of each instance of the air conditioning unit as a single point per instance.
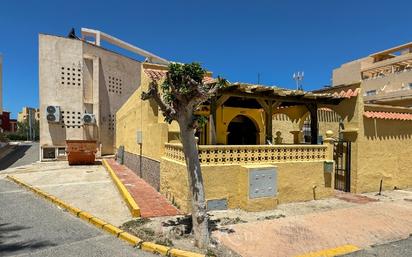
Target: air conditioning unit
(53, 114)
(89, 119)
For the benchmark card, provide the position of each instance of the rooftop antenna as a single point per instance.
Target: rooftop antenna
(298, 77)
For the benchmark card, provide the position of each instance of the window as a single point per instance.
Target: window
(61, 151)
(370, 92)
(49, 153)
(410, 86)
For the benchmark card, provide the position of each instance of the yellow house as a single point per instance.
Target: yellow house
(380, 138)
(265, 145)
(234, 146)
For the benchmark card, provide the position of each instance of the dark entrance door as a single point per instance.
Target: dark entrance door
(242, 131)
(341, 156)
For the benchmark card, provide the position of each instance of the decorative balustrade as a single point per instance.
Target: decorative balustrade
(247, 154)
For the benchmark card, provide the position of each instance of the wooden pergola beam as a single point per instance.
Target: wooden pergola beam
(299, 99)
(212, 120)
(268, 107)
(221, 100)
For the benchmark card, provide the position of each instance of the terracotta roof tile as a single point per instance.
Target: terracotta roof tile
(157, 75)
(348, 93)
(387, 115)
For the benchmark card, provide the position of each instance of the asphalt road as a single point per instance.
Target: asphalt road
(19, 155)
(31, 226)
(402, 248)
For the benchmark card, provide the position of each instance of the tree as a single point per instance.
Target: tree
(183, 91)
(23, 130)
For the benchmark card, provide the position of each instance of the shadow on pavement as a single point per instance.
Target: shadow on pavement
(17, 153)
(6, 232)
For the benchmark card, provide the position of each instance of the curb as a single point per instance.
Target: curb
(344, 249)
(109, 228)
(131, 203)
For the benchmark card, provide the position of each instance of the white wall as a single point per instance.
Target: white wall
(81, 77)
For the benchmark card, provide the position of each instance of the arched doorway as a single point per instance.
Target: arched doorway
(242, 131)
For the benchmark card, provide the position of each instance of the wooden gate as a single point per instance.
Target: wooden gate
(342, 158)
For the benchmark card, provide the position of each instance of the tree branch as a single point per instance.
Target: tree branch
(173, 89)
(153, 93)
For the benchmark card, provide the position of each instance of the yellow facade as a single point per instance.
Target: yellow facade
(380, 150)
(297, 181)
(385, 147)
(138, 116)
(224, 115)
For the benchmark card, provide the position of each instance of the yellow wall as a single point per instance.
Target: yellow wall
(297, 181)
(138, 115)
(327, 120)
(224, 115)
(380, 150)
(283, 124)
(385, 148)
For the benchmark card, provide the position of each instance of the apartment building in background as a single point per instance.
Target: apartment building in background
(28, 113)
(386, 76)
(82, 85)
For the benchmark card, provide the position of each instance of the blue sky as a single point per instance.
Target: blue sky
(234, 39)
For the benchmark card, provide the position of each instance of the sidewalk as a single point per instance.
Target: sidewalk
(151, 202)
(86, 187)
(362, 225)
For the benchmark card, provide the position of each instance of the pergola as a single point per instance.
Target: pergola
(270, 99)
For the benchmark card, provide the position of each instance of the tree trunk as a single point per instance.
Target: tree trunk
(199, 211)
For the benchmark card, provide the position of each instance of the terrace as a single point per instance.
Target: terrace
(240, 117)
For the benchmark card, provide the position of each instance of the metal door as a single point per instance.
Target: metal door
(342, 158)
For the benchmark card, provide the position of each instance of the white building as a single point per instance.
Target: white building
(86, 84)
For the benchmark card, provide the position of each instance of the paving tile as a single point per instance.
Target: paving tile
(363, 225)
(151, 202)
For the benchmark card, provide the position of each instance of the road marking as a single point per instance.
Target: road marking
(332, 251)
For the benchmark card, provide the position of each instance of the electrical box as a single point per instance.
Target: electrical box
(328, 166)
(139, 137)
(262, 182)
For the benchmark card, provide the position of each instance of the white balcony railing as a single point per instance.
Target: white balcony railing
(248, 154)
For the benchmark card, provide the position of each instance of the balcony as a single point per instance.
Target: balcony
(393, 95)
(381, 69)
